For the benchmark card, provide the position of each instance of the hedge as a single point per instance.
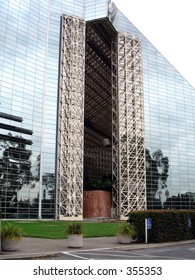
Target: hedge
(167, 225)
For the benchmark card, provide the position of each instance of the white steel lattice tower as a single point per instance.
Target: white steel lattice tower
(71, 119)
(128, 151)
(129, 188)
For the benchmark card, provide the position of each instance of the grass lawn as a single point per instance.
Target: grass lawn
(56, 229)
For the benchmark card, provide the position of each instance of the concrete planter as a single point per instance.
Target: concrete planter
(9, 245)
(124, 239)
(75, 240)
(11, 235)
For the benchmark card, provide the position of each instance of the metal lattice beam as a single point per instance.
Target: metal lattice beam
(71, 118)
(129, 188)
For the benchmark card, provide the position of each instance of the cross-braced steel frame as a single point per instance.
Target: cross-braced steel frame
(71, 119)
(128, 153)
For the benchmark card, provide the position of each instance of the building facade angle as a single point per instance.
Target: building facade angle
(88, 106)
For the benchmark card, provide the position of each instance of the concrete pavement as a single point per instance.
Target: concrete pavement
(39, 247)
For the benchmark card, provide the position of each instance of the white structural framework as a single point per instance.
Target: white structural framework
(128, 126)
(128, 152)
(71, 118)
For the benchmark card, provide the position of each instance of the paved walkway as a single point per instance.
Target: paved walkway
(36, 247)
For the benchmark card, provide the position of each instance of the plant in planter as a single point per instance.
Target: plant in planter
(126, 233)
(74, 234)
(11, 235)
(99, 184)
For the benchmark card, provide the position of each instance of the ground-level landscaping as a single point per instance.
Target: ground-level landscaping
(57, 229)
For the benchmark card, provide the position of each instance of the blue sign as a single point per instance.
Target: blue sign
(149, 223)
(189, 222)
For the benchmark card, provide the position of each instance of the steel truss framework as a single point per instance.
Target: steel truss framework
(129, 191)
(127, 131)
(71, 119)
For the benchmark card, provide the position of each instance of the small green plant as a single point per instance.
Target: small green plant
(74, 228)
(99, 184)
(129, 230)
(11, 232)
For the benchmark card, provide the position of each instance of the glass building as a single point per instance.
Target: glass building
(84, 96)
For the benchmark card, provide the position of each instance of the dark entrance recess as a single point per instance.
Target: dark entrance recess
(98, 120)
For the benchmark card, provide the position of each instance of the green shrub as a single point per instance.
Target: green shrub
(74, 228)
(11, 231)
(126, 229)
(167, 225)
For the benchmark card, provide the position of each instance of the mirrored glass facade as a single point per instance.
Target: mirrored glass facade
(29, 64)
(169, 128)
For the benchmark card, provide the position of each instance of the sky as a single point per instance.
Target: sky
(170, 26)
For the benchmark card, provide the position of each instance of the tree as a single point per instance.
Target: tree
(15, 167)
(157, 167)
(181, 201)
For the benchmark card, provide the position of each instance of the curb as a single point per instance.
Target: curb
(34, 256)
